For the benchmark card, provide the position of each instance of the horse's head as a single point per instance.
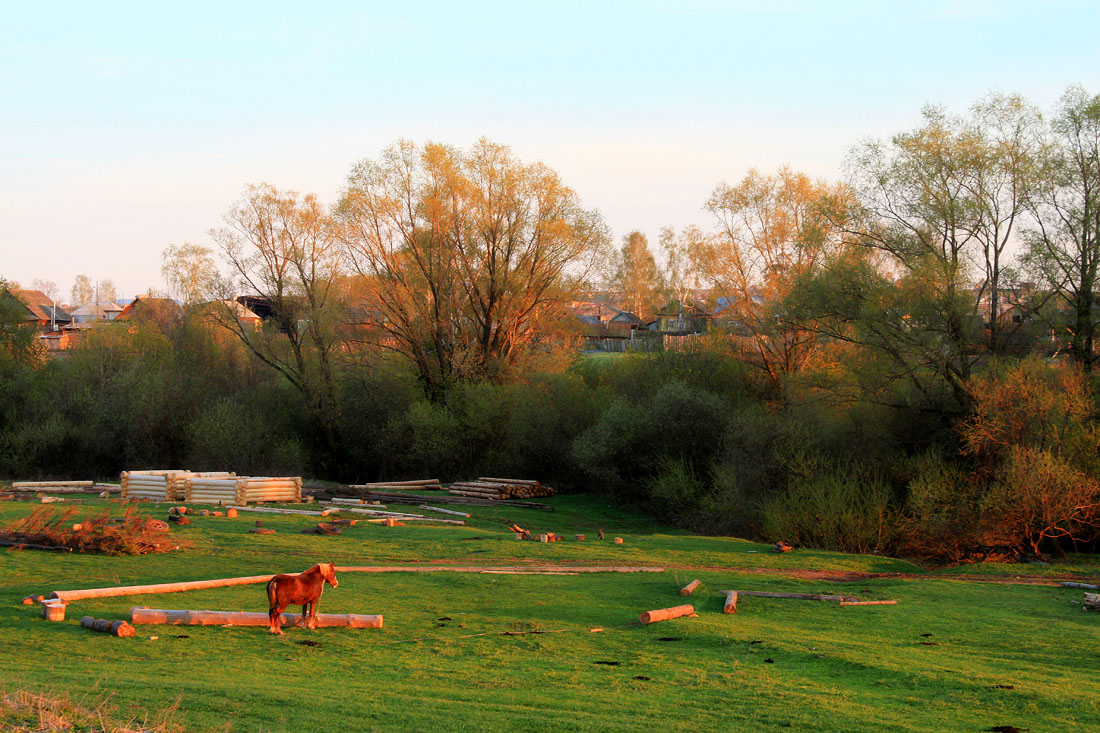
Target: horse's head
(328, 572)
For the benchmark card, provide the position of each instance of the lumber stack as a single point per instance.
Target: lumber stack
(151, 485)
(266, 488)
(52, 487)
(177, 481)
(212, 490)
(500, 488)
(243, 489)
(397, 497)
(427, 484)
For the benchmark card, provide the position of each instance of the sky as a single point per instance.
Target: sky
(129, 127)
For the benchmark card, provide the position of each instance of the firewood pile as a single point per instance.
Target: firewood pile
(501, 488)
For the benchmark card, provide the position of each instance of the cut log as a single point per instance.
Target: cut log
(868, 603)
(484, 568)
(688, 589)
(273, 510)
(51, 484)
(1092, 600)
(1082, 586)
(731, 602)
(618, 540)
(444, 511)
(795, 596)
(53, 610)
(115, 628)
(144, 616)
(664, 614)
(137, 590)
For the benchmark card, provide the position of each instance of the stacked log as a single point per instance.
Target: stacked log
(177, 482)
(52, 487)
(500, 488)
(280, 489)
(151, 485)
(243, 489)
(427, 484)
(396, 497)
(212, 490)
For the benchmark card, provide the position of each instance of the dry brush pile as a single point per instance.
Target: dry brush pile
(50, 528)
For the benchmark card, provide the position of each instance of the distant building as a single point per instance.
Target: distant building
(46, 314)
(104, 310)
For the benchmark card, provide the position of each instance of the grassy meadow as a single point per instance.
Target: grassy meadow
(965, 649)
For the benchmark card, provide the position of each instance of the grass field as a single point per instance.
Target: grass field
(964, 650)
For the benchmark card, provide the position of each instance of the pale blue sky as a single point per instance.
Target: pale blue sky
(127, 127)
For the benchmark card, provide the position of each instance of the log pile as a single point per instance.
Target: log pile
(151, 484)
(500, 488)
(397, 497)
(52, 487)
(244, 489)
(177, 482)
(427, 484)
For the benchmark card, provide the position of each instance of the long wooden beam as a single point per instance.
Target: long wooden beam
(143, 616)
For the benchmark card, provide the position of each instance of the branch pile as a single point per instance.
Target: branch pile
(48, 528)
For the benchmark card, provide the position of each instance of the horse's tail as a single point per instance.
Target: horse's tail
(271, 594)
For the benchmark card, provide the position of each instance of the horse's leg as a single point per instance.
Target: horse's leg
(303, 622)
(274, 615)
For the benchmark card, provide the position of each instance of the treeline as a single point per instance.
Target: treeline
(899, 363)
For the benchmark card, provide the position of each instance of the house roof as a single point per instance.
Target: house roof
(101, 309)
(40, 307)
(145, 306)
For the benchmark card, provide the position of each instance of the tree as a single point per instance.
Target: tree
(466, 258)
(190, 272)
(47, 287)
(942, 203)
(636, 275)
(773, 230)
(1064, 246)
(83, 292)
(282, 249)
(683, 259)
(105, 290)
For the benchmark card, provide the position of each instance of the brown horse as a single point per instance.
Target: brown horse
(305, 588)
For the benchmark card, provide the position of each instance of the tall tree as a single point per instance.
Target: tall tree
(1065, 244)
(637, 277)
(683, 252)
(83, 292)
(282, 249)
(773, 230)
(467, 257)
(189, 271)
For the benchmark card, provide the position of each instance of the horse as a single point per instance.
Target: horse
(305, 588)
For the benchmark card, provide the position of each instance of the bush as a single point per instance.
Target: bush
(833, 507)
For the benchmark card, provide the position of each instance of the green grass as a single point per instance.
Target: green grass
(831, 668)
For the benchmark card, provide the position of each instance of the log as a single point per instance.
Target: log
(444, 511)
(795, 596)
(143, 616)
(51, 484)
(273, 510)
(115, 628)
(28, 546)
(618, 540)
(731, 602)
(688, 589)
(868, 603)
(1092, 600)
(1082, 586)
(53, 610)
(664, 614)
(373, 512)
(524, 481)
(418, 482)
(485, 568)
(136, 590)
